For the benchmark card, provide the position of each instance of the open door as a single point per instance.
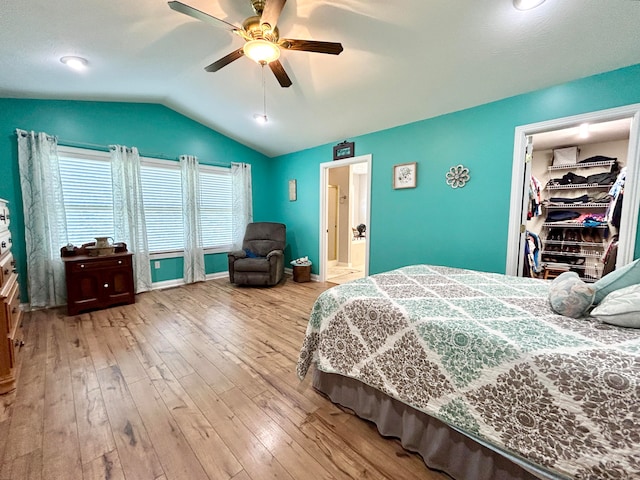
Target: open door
(327, 240)
(526, 181)
(332, 224)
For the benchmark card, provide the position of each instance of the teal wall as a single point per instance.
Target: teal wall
(155, 130)
(429, 224)
(434, 223)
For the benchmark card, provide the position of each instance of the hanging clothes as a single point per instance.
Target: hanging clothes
(535, 198)
(532, 254)
(615, 191)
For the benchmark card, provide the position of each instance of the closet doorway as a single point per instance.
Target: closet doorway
(345, 202)
(561, 216)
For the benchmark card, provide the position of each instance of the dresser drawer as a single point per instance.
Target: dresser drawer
(99, 263)
(4, 214)
(5, 242)
(7, 266)
(12, 309)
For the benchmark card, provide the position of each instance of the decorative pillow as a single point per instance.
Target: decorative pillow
(250, 254)
(621, 307)
(570, 296)
(620, 278)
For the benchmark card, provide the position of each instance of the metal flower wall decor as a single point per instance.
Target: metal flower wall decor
(458, 176)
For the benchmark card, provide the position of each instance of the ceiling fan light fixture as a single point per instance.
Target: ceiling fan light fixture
(77, 63)
(261, 51)
(527, 4)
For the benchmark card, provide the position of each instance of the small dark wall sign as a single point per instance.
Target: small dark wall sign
(344, 150)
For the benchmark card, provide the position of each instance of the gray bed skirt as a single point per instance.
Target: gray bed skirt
(441, 447)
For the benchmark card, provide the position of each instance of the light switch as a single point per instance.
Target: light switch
(156, 264)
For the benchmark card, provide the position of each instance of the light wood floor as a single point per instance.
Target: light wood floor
(340, 274)
(195, 382)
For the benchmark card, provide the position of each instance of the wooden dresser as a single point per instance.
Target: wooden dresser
(10, 313)
(98, 282)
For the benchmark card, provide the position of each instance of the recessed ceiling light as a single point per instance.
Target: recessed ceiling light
(77, 63)
(527, 4)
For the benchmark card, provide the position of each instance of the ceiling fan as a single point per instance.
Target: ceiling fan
(262, 37)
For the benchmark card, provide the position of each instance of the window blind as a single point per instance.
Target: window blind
(88, 197)
(162, 197)
(215, 207)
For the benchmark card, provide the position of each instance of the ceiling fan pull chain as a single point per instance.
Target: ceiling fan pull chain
(264, 94)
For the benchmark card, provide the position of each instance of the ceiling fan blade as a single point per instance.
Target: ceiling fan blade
(271, 12)
(281, 75)
(224, 61)
(332, 48)
(200, 15)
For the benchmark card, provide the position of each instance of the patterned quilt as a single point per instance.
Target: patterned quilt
(486, 354)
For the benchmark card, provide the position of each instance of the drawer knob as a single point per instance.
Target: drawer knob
(82, 265)
(19, 343)
(14, 310)
(6, 271)
(4, 244)
(106, 285)
(2, 217)
(119, 262)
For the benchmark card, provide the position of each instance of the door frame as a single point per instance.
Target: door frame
(324, 183)
(630, 206)
(337, 240)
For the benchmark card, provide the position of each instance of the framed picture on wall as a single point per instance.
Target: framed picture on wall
(344, 150)
(405, 175)
(293, 190)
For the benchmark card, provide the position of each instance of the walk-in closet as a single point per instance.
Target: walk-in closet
(576, 193)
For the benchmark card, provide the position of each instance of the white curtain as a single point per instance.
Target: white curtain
(128, 211)
(242, 211)
(193, 251)
(44, 217)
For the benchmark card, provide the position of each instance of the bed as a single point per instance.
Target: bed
(475, 372)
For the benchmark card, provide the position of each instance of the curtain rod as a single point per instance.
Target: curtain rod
(105, 148)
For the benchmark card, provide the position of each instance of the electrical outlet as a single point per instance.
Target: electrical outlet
(156, 264)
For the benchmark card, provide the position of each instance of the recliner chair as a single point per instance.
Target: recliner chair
(261, 262)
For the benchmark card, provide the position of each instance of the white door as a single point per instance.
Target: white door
(332, 223)
(528, 156)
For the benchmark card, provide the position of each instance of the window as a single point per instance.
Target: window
(88, 201)
(162, 197)
(88, 197)
(215, 208)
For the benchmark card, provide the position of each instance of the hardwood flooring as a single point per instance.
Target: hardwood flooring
(195, 382)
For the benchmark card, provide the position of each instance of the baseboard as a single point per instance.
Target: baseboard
(177, 282)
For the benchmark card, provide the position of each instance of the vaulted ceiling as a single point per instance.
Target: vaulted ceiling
(402, 61)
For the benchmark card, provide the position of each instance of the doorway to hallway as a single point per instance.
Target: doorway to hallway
(345, 199)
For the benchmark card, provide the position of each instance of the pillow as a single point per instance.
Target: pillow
(570, 296)
(620, 278)
(250, 254)
(621, 307)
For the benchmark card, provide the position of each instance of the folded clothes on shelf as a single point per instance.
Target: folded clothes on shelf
(561, 215)
(580, 199)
